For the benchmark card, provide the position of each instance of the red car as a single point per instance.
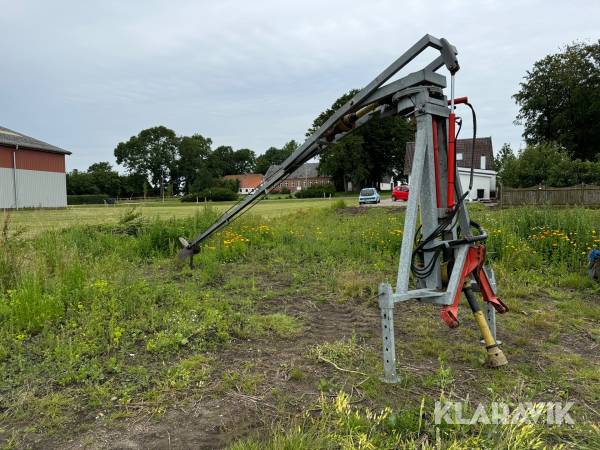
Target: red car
(400, 193)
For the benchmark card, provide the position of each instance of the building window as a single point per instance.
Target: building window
(459, 156)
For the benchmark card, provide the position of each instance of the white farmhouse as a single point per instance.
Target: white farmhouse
(484, 177)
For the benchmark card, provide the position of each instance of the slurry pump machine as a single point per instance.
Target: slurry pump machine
(445, 253)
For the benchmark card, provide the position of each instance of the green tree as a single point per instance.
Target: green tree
(222, 161)
(274, 156)
(232, 185)
(203, 179)
(559, 100)
(344, 162)
(133, 185)
(244, 161)
(546, 164)
(80, 183)
(194, 154)
(369, 153)
(384, 145)
(153, 153)
(106, 180)
(503, 159)
(504, 154)
(100, 178)
(225, 161)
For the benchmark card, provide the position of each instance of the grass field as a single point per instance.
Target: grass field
(273, 340)
(35, 220)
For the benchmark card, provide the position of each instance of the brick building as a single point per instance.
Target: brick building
(305, 176)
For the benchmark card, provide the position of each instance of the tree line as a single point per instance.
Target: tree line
(367, 155)
(160, 162)
(547, 164)
(559, 107)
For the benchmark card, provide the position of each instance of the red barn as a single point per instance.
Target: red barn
(32, 172)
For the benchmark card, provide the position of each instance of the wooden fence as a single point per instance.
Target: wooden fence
(582, 194)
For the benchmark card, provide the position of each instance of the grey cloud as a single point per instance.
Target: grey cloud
(85, 76)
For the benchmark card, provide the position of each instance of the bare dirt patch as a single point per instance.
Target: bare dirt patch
(288, 383)
(278, 379)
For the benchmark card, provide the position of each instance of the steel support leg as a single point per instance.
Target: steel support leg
(414, 200)
(489, 311)
(490, 316)
(386, 306)
(428, 205)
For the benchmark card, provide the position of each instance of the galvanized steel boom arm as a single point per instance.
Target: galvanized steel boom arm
(375, 96)
(444, 256)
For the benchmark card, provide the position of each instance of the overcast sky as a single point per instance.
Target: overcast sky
(86, 75)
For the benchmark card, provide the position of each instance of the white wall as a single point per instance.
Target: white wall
(7, 193)
(35, 189)
(482, 179)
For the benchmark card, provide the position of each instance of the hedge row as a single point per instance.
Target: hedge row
(316, 191)
(215, 194)
(89, 199)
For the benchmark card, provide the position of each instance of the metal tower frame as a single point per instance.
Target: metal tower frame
(450, 260)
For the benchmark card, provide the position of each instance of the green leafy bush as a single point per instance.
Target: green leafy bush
(316, 191)
(232, 185)
(215, 194)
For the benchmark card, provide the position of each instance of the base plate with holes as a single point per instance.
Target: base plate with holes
(386, 307)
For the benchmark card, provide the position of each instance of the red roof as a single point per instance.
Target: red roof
(247, 180)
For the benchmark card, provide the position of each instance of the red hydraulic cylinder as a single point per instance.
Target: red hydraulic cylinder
(451, 159)
(460, 100)
(452, 150)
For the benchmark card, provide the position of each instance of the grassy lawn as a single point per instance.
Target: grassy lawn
(38, 219)
(273, 341)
